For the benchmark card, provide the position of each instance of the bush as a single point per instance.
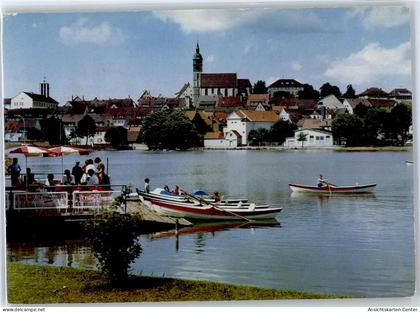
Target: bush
(114, 242)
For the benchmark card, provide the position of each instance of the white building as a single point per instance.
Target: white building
(290, 86)
(243, 121)
(314, 138)
(350, 104)
(26, 100)
(230, 139)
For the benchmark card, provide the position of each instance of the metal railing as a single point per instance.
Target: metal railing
(40, 200)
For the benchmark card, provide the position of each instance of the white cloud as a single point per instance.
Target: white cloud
(211, 20)
(296, 66)
(371, 63)
(84, 32)
(382, 16)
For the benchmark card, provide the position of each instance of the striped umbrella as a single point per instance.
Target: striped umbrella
(30, 151)
(67, 150)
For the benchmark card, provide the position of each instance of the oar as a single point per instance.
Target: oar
(215, 206)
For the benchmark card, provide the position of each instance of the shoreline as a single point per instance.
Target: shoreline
(143, 147)
(40, 284)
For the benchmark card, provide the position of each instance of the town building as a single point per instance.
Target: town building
(290, 86)
(400, 94)
(330, 101)
(313, 138)
(26, 100)
(376, 93)
(215, 84)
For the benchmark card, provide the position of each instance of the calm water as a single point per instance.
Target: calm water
(351, 245)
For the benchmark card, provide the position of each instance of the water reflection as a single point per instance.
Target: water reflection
(202, 230)
(70, 253)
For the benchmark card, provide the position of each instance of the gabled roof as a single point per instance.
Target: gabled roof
(286, 83)
(218, 80)
(316, 130)
(183, 89)
(258, 116)
(40, 98)
(237, 134)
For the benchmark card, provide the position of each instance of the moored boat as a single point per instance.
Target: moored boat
(211, 211)
(328, 189)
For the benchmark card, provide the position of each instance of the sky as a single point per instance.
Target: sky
(121, 54)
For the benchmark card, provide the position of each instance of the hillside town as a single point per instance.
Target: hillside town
(223, 107)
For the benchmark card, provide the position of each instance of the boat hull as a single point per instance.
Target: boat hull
(366, 188)
(209, 212)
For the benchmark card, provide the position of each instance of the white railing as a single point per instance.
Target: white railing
(37, 200)
(93, 200)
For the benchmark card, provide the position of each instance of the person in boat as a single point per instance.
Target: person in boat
(68, 179)
(166, 188)
(176, 190)
(147, 185)
(77, 172)
(322, 182)
(14, 171)
(216, 197)
(29, 178)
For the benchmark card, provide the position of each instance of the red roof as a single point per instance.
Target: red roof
(243, 84)
(374, 92)
(382, 103)
(218, 80)
(229, 101)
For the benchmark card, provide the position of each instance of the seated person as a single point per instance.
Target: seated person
(89, 178)
(176, 190)
(49, 183)
(68, 179)
(216, 197)
(29, 178)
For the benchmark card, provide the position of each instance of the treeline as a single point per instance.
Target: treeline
(371, 126)
(276, 135)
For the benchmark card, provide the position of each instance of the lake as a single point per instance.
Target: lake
(356, 245)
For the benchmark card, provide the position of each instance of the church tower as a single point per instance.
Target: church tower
(197, 70)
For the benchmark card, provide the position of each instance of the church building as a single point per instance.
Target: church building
(216, 84)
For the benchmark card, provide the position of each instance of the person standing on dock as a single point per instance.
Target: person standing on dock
(147, 185)
(14, 170)
(77, 172)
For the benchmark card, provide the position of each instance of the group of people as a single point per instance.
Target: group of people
(91, 173)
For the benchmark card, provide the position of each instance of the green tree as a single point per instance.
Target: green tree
(360, 110)
(348, 128)
(327, 89)
(397, 124)
(302, 138)
(259, 87)
(350, 92)
(258, 137)
(281, 130)
(169, 129)
(117, 136)
(86, 127)
(373, 124)
(53, 131)
(34, 134)
(308, 92)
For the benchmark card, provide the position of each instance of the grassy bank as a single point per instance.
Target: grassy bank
(31, 284)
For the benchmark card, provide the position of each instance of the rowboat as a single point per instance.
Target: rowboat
(365, 188)
(161, 194)
(210, 211)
